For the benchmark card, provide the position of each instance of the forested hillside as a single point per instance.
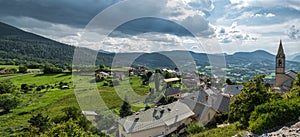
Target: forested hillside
(21, 47)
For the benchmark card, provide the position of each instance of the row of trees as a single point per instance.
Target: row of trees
(47, 68)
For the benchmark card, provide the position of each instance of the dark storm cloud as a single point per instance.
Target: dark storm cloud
(58, 17)
(145, 25)
(70, 12)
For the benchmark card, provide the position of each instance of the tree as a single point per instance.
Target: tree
(8, 101)
(169, 75)
(75, 114)
(253, 94)
(194, 128)
(147, 77)
(158, 70)
(147, 107)
(166, 100)
(50, 68)
(157, 79)
(22, 69)
(295, 91)
(102, 66)
(149, 74)
(71, 113)
(125, 109)
(6, 86)
(162, 101)
(67, 129)
(229, 82)
(14, 70)
(24, 87)
(41, 122)
(69, 67)
(297, 80)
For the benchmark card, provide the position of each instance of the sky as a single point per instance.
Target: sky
(196, 25)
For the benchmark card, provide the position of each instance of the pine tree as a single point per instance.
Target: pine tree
(41, 122)
(125, 109)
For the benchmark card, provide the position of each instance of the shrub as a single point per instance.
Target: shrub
(194, 128)
(38, 89)
(40, 121)
(221, 118)
(276, 113)
(105, 84)
(24, 87)
(22, 69)
(9, 101)
(32, 86)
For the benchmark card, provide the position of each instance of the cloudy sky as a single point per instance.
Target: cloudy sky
(233, 25)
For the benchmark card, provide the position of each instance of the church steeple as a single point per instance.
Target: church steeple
(280, 50)
(280, 60)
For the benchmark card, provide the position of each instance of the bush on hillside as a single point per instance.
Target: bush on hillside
(276, 113)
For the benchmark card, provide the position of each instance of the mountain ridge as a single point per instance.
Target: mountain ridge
(23, 47)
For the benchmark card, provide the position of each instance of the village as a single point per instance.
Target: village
(193, 97)
(192, 104)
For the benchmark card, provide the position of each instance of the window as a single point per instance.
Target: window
(280, 63)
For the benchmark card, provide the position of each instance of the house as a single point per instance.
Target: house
(102, 75)
(223, 103)
(172, 80)
(190, 80)
(202, 112)
(7, 71)
(232, 90)
(156, 122)
(172, 92)
(64, 87)
(139, 71)
(120, 73)
(206, 103)
(89, 114)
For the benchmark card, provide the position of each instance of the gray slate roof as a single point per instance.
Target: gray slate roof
(155, 117)
(292, 74)
(224, 105)
(171, 91)
(197, 107)
(233, 89)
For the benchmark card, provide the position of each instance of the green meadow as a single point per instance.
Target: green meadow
(47, 101)
(51, 101)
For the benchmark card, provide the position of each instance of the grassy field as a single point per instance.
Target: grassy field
(51, 101)
(131, 88)
(42, 79)
(46, 101)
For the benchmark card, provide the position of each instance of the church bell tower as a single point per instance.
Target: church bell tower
(280, 65)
